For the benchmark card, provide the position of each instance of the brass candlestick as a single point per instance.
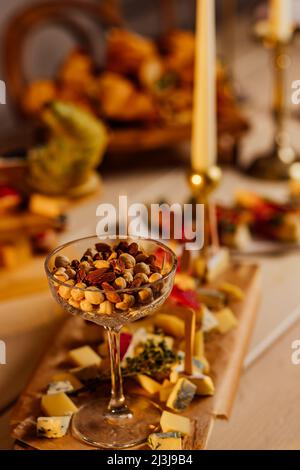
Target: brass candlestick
(275, 165)
(202, 184)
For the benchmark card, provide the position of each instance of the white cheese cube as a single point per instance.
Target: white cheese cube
(59, 386)
(53, 426)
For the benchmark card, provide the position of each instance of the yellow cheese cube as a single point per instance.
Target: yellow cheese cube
(47, 206)
(234, 292)
(199, 344)
(226, 321)
(148, 384)
(165, 391)
(170, 324)
(204, 384)
(84, 356)
(165, 441)
(63, 376)
(57, 405)
(184, 281)
(171, 422)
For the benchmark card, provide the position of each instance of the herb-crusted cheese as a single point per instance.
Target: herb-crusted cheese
(181, 395)
(53, 426)
(165, 441)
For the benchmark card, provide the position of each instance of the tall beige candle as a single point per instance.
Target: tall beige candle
(281, 19)
(204, 132)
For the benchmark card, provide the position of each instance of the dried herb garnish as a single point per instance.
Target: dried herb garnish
(155, 358)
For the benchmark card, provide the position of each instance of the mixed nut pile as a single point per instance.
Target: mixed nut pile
(94, 283)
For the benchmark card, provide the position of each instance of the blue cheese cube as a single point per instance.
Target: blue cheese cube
(52, 427)
(165, 441)
(181, 395)
(59, 386)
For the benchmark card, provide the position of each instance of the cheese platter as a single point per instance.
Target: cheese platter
(187, 415)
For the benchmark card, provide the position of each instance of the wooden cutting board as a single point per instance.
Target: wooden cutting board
(225, 354)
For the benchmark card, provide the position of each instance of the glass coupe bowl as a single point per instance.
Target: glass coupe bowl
(120, 423)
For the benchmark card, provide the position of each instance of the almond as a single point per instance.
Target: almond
(110, 293)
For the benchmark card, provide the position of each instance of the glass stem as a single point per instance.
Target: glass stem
(117, 406)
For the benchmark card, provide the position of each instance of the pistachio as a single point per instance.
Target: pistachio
(86, 266)
(86, 306)
(62, 261)
(155, 277)
(120, 283)
(128, 260)
(71, 273)
(128, 276)
(142, 268)
(127, 302)
(101, 264)
(106, 308)
(143, 277)
(145, 295)
(112, 256)
(78, 294)
(94, 296)
(91, 252)
(64, 291)
(73, 303)
(62, 277)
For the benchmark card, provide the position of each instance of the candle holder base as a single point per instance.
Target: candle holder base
(274, 165)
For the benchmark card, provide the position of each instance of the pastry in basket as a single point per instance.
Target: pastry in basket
(120, 100)
(77, 71)
(126, 51)
(37, 94)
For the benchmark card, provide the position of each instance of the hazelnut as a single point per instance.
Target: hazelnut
(141, 257)
(128, 276)
(145, 295)
(64, 291)
(73, 303)
(78, 294)
(106, 308)
(62, 261)
(120, 283)
(143, 277)
(91, 252)
(86, 306)
(94, 296)
(128, 260)
(101, 263)
(141, 268)
(155, 277)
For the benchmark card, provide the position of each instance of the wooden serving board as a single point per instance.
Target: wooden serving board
(225, 354)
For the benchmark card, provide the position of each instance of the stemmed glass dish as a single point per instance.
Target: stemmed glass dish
(120, 423)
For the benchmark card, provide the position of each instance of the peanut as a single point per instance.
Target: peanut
(101, 263)
(105, 308)
(64, 291)
(86, 306)
(78, 294)
(94, 296)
